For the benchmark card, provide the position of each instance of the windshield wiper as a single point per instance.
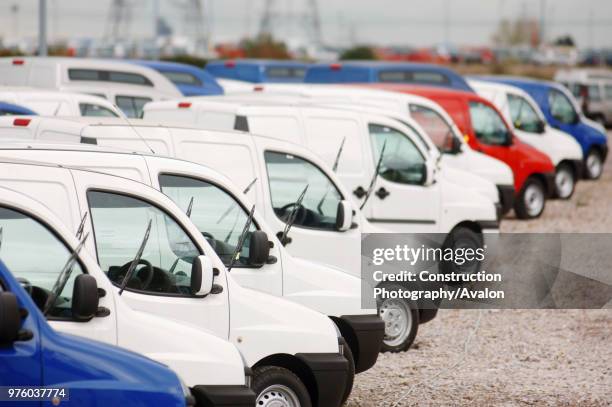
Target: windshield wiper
(334, 168)
(1, 236)
(189, 208)
(376, 173)
(63, 276)
(292, 216)
(248, 188)
(134, 263)
(228, 210)
(81, 228)
(241, 240)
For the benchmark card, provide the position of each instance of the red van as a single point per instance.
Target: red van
(485, 130)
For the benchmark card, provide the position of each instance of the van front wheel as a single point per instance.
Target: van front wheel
(401, 318)
(594, 165)
(279, 387)
(531, 201)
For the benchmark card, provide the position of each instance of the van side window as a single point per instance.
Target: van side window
(99, 75)
(433, 78)
(132, 106)
(608, 92)
(524, 115)
(561, 108)
(594, 93)
(438, 129)
(38, 269)
(182, 78)
(216, 213)
(488, 126)
(120, 223)
(288, 175)
(91, 110)
(402, 161)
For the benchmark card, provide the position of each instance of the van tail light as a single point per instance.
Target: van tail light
(258, 89)
(21, 122)
(335, 67)
(18, 61)
(230, 64)
(184, 105)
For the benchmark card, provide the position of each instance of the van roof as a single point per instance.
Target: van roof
(370, 71)
(258, 70)
(208, 84)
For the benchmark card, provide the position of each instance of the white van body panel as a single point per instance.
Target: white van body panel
(274, 326)
(556, 144)
(199, 357)
(54, 103)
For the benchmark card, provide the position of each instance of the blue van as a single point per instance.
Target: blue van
(386, 72)
(81, 371)
(9, 109)
(189, 79)
(562, 112)
(259, 70)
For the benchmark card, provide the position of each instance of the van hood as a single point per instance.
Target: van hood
(459, 206)
(470, 181)
(327, 289)
(197, 355)
(556, 144)
(262, 325)
(492, 169)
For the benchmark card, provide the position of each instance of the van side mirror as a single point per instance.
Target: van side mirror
(259, 248)
(456, 145)
(84, 297)
(202, 275)
(344, 216)
(429, 172)
(540, 127)
(10, 319)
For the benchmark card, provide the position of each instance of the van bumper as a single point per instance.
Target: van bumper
(578, 166)
(549, 179)
(506, 199)
(223, 396)
(330, 371)
(368, 332)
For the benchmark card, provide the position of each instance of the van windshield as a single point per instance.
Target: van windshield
(215, 212)
(524, 117)
(488, 125)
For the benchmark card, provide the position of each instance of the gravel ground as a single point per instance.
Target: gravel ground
(512, 357)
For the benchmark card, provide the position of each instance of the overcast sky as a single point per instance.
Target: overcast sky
(385, 22)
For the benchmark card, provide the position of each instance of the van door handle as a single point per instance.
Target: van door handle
(359, 192)
(382, 193)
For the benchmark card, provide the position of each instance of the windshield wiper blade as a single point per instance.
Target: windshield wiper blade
(81, 228)
(63, 276)
(376, 173)
(293, 215)
(1, 236)
(241, 240)
(189, 208)
(134, 263)
(338, 154)
(248, 187)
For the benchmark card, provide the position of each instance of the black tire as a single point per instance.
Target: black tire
(523, 205)
(566, 171)
(267, 377)
(398, 343)
(462, 237)
(350, 380)
(593, 171)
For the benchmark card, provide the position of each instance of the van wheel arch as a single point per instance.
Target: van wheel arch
(349, 336)
(473, 226)
(297, 367)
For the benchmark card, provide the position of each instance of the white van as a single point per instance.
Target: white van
(162, 265)
(219, 210)
(592, 88)
(126, 85)
(529, 125)
(39, 247)
(444, 137)
(245, 158)
(57, 103)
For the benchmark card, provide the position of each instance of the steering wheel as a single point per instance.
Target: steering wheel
(25, 283)
(150, 272)
(210, 239)
(302, 212)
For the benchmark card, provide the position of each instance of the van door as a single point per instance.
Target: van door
(36, 255)
(400, 200)
(161, 283)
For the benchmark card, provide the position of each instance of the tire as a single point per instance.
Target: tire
(401, 318)
(565, 181)
(462, 237)
(350, 380)
(594, 165)
(277, 386)
(532, 199)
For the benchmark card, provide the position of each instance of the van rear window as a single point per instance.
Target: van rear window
(276, 72)
(182, 78)
(413, 77)
(108, 76)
